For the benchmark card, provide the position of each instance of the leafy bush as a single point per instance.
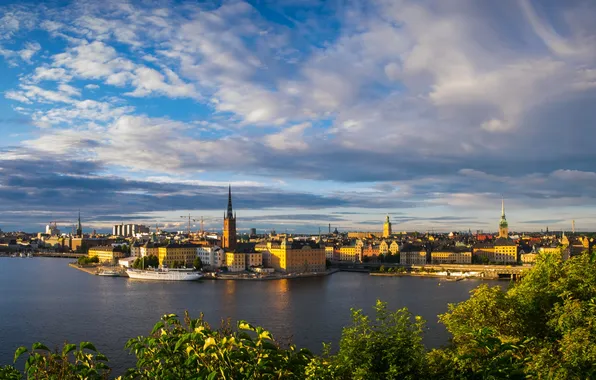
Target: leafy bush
(86, 260)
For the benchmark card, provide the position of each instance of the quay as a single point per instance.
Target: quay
(485, 271)
(95, 269)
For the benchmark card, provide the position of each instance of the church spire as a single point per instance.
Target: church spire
(230, 212)
(79, 226)
(502, 207)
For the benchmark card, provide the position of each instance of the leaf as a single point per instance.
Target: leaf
(89, 346)
(68, 348)
(209, 342)
(212, 375)
(39, 346)
(20, 351)
(158, 325)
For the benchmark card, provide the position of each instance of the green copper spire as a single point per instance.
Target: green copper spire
(503, 222)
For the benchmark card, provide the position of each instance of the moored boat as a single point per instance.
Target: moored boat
(164, 275)
(109, 273)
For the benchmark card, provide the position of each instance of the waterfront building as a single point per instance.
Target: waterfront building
(184, 254)
(213, 257)
(387, 227)
(135, 249)
(412, 257)
(236, 261)
(503, 225)
(505, 251)
(484, 252)
(149, 249)
(296, 256)
(352, 252)
(229, 239)
(450, 257)
(253, 259)
(106, 253)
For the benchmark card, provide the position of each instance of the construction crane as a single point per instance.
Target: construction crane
(202, 220)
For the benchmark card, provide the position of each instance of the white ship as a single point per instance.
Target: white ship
(164, 275)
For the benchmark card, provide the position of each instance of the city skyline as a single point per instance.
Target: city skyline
(314, 113)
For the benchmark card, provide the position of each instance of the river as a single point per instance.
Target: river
(43, 299)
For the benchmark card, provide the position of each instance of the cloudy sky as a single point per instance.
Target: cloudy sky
(315, 112)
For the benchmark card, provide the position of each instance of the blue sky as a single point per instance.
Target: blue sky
(316, 112)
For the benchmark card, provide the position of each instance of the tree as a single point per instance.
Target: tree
(197, 263)
(387, 346)
(327, 263)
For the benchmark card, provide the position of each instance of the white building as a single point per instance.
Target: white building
(213, 257)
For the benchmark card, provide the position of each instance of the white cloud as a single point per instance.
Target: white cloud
(291, 138)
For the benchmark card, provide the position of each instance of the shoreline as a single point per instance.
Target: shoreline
(92, 270)
(433, 275)
(273, 277)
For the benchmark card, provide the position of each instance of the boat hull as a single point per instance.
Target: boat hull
(164, 275)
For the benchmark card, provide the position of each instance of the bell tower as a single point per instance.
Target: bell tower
(228, 241)
(503, 225)
(387, 227)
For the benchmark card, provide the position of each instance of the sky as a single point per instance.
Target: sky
(315, 112)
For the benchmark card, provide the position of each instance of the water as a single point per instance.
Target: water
(43, 299)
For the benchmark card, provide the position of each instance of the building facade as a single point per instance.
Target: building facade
(293, 257)
(213, 257)
(236, 261)
(106, 254)
(446, 257)
(171, 254)
(505, 251)
(412, 258)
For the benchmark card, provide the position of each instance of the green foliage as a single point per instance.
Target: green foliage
(86, 260)
(195, 351)
(388, 346)
(9, 372)
(145, 262)
(327, 263)
(84, 362)
(197, 263)
(547, 321)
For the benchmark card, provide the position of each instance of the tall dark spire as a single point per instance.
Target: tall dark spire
(79, 226)
(230, 212)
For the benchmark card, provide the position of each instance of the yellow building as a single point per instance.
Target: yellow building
(505, 251)
(106, 254)
(363, 235)
(350, 253)
(412, 258)
(446, 257)
(236, 261)
(329, 250)
(296, 256)
(528, 258)
(184, 254)
(387, 227)
(486, 251)
(384, 248)
(394, 248)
